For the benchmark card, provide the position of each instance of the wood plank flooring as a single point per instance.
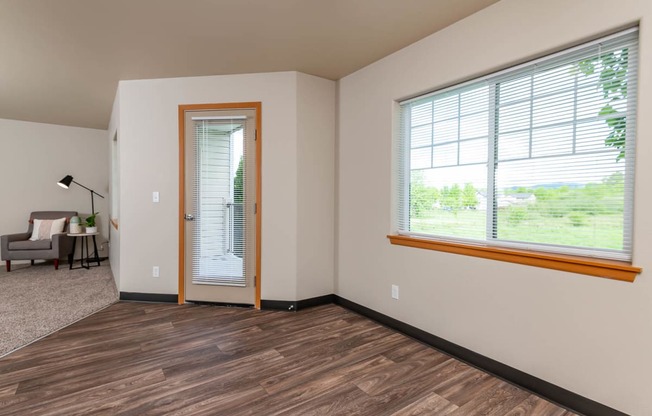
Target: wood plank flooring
(156, 359)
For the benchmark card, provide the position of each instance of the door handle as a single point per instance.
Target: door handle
(188, 217)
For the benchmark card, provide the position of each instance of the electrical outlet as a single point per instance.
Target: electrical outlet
(155, 271)
(395, 292)
(155, 197)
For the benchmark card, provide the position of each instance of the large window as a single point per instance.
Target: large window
(537, 157)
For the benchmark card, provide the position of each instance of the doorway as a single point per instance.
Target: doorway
(219, 228)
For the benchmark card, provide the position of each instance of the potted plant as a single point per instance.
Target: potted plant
(90, 225)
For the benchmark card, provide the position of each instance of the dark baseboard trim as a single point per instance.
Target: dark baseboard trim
(293, 306)
(149, 297)
(278, 305)
(316, 301)
(225, 304)
(565, 398)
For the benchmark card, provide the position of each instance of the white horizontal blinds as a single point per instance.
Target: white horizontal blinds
(446, 137)
(559, 149)
(218, 239)
(563, 172)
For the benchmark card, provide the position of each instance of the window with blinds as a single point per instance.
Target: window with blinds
(537, 157)
(219, 233)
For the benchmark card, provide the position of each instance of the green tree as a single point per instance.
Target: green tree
(469, 196)
(238, 210)
(516, 215)
(578, 219)
(615, 182)
(552, 202)
(451, 198)
(238, 183)
(542, 194)
(613, 81)
(422, 197)
(519, 190)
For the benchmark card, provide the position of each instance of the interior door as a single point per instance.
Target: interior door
(220, 206)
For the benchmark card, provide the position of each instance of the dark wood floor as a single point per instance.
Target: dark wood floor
(154, 359)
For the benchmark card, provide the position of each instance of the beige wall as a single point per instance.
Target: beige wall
(114, 234)
(148, 136)
(315, 185)
(590, 335)
(35, 156)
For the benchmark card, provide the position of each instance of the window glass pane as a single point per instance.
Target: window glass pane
(445, 131)
(444, 155)
(515, 90)
(445, 108)
(475, 101)
(514, 145)
(549, 141)
(588, 79)
(473, 151)
(421, 114)
(591, 136)
(553, 109)
(590, 101)
(421, 136)
(474, 125)
(562, 201)
(420, 158)
(449, 201)
(514, 117)
(554, 80)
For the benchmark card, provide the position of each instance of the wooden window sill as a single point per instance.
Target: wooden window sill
(575, 264)
(114, 222)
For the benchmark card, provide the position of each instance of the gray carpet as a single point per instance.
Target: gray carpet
(38, 300)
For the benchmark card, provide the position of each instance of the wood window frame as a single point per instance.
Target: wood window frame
(608, 269)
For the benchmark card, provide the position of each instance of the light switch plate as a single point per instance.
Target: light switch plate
(155, 196)
(395, 292)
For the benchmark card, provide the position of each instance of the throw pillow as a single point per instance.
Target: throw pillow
(45, 229)
(58, 226)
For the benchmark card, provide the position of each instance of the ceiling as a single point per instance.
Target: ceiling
(60, 61)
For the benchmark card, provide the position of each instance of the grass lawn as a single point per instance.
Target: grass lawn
(600, 231)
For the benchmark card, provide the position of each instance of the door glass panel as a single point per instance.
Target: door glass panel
(218, 238)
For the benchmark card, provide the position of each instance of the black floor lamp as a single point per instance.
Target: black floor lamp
(65, 183)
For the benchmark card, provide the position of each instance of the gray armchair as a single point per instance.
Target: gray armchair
(19, 247)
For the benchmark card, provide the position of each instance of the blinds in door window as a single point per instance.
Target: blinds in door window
(220, 230)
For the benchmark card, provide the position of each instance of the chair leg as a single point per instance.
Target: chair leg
(8, 264)
(56, 264)
(32, 262)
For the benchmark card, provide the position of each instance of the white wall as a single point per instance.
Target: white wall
(315, 186)
(149, 147)
(35, 156)
(114, 234)
(590, 335)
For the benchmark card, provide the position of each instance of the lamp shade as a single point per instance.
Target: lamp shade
(65, 182)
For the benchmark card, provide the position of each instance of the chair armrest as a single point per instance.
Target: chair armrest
(6, 239)
(62, 244)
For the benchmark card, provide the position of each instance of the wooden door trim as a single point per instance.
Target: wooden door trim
(182, 185)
